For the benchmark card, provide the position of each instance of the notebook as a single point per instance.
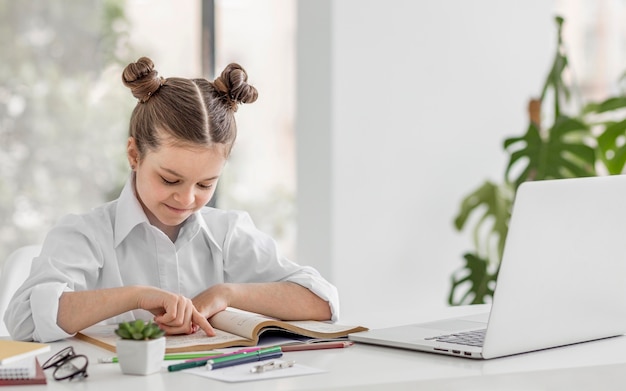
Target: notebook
(22, 372)
(11, 351)
(561, 279)
(24, 368)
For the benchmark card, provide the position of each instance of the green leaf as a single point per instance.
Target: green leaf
(492, 205)
(560, 154)
(611, 104)
(139, 330)
(477, 287)
(138, 325)
(554, 79)
(125, 327)
(137, 335)
(147, 332)
(123, 333)
(612, 147)
(155, 331)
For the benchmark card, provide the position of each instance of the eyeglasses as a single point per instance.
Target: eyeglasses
(68, 364)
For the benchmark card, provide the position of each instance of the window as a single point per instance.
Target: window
(260, 176)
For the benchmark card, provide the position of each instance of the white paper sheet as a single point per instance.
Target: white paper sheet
(241, 373)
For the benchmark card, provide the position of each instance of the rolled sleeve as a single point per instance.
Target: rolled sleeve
(313, 281)
(33, 313)
(44, 303)
(67, 262)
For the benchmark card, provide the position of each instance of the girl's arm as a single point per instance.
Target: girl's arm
(174, 313)
(282, 300)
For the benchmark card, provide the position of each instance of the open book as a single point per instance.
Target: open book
(233, 328)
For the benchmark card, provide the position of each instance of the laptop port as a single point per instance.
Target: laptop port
(456, 351)
(441, 350)
(467, 354)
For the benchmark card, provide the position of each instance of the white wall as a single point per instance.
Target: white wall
(402, 110)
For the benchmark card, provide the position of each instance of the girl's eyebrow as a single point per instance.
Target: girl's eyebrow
(181, 176)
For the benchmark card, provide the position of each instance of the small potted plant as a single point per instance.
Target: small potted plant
(141, 347)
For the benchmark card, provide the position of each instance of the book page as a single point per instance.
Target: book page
(105, 337)
(200, 341)
(324, 327)
(318, 330)
(249, 324)
(239, 322)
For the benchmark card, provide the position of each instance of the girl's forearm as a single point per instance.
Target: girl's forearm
(78, 310)
(282, 300)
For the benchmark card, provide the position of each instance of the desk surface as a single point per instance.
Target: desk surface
(593, 365)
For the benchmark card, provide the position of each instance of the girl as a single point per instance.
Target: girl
(157, 251)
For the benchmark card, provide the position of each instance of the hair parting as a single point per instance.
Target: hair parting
(189, 111)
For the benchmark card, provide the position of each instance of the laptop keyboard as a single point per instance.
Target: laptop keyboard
(470, 338)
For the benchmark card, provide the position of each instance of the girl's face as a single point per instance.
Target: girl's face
(175, 181)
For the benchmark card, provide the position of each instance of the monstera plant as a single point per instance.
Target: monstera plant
(590, 142)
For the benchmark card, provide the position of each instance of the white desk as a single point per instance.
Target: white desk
(599, 365)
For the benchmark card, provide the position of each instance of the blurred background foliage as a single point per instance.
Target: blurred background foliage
(63, 124)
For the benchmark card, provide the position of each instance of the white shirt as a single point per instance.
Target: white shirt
(115, 245)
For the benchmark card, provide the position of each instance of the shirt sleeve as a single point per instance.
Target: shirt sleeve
(252, 256)
(67, 263)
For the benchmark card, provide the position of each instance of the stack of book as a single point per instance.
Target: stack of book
(19, 364)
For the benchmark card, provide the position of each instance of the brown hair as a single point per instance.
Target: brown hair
(194, 111)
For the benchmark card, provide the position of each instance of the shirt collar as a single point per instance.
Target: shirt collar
(129, 212)
(194, 225)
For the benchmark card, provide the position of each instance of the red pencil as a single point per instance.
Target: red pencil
(316, 346)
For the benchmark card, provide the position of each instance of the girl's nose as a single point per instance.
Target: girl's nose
(185, 196)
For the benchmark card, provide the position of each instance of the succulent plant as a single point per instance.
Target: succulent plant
(139, 330)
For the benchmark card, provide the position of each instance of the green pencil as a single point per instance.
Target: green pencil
(172, 356)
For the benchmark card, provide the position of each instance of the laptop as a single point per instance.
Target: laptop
(562, 277)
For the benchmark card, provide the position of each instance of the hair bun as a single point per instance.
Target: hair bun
(233, 84)
(142, 79)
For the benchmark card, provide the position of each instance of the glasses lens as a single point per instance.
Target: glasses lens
(75, 366)
(58, 358)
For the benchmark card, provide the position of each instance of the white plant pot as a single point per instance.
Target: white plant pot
(140, 357)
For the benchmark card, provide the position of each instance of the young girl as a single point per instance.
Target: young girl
(157, 252)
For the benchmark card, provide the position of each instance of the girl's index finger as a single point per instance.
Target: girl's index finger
(203, 323)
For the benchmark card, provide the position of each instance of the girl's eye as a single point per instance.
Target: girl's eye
(205, 187)
(168, 182)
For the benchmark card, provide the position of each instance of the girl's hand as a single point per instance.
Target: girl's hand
(175, 314)
(213, 300)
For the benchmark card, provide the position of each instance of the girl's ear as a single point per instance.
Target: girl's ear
(132, 153)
